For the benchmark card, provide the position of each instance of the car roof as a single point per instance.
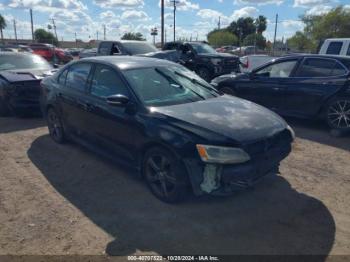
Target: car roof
(291, 56)
(129, 62)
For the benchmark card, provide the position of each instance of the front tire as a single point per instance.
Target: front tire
(55, 126)
(204, 73)
(338, 114)
(165, 175)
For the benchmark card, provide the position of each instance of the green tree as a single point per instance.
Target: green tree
(300, 42)
(243, 26)
(133, 36)
(42, 36)
(261, 24)
(336, 23)
(222, 38)
(259, 38)
(2, 26)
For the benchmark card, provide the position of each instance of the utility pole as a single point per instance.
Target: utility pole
(104, 32)
(15, 29)
(76, 42)
(31, 23)
(54, 27)
(162, 23)
(97, 35)
(274, 38)
(219, 23)
(174, 2)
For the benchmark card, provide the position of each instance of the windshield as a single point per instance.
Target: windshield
(163, 86)
(138, 48)
(11, 62)
(203, 48)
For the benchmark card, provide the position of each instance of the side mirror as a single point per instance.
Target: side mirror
(117, 100)
(56, 65)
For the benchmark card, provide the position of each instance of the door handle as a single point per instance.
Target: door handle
(276, 89)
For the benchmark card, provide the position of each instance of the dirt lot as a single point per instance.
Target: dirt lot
(61, 199)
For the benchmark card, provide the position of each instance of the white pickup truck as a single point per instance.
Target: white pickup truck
(336, 46)
(250, 62)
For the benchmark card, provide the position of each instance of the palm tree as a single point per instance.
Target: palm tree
(2, 26)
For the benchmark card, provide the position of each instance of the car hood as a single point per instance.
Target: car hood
(170, 55)
(26, 74)
(234, 118)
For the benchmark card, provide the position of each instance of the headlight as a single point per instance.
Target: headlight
(215, 61)
(291, 131)
(222, 155)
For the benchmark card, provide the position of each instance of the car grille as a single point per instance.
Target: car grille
(270, 145)
(28, 90)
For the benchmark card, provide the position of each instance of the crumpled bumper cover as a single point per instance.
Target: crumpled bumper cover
(231, 178)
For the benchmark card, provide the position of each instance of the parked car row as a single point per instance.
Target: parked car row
(181, 133)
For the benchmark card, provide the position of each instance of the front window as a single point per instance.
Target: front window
(203, 48)
(17, 62)
(163, 86)
(280, 70)
(138, 48)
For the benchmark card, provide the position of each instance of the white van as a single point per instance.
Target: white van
(336, 46)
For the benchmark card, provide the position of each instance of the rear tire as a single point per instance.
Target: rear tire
(55, 126)
(338, 114)
(165, 175)
(228, 91)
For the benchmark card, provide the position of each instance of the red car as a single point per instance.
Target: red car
(51, 53)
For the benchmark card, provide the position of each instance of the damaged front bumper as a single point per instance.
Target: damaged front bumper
(219, 179)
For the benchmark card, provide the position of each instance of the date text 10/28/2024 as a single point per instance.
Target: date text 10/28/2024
(173, 258)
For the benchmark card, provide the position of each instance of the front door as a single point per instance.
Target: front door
(266, 86)
(110, 126)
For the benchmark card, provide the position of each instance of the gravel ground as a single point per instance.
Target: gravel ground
(62, 199)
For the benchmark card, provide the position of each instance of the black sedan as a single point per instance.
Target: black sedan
(307, 86)
(163, 119)
(20, 76)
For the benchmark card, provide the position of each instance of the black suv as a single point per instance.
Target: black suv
(203, 59)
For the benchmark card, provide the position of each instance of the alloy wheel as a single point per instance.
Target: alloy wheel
(160, 176)
(339, 114)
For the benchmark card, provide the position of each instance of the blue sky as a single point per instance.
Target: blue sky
(194, 17)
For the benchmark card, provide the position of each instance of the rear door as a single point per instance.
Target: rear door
(266, 86)
(315, 80)
(72, 93)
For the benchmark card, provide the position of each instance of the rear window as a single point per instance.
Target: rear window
(11, 62)
(334, 48)
(348, 52)
(105, 48)
(318, 67)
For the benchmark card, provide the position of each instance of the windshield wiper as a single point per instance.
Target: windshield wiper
(193, 80)
(169, 78)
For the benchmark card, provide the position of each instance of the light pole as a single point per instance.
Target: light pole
(174, 2)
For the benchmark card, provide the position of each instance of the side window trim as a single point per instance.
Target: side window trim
(296, 66)
(65, 71)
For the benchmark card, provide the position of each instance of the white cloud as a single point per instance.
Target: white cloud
(46, 5)
(182, 5)
(319, 10)
(258, 2)
(310, 3)
(119, 3)
(134, 15)
(244, 12)
(107, 15)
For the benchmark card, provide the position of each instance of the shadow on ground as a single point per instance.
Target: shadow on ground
(273, 218)
(318, 131)
(13, 124)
